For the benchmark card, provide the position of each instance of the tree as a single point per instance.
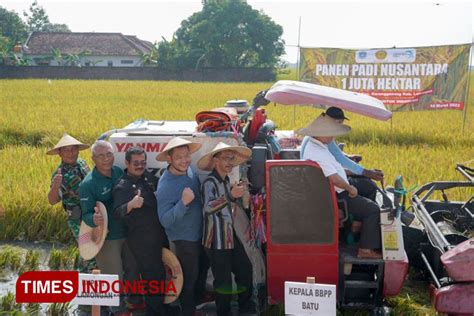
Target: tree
(37, 18)
(75, 59)
(12, 27)
(54, 27)
(169, 56)
(57, 56)
(225, 33)
(12, 31)
(150, 58)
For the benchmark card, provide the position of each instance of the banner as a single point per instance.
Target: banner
(404, 79)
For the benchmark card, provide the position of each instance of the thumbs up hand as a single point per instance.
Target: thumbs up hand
(136, 202)
(57, 180)
(98, 218)
(237, 190)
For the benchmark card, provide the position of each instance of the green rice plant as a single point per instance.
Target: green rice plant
(31, 262)
(413, 298)
(8, 305)
(2, 219)
(64, 259)
(71, 256)
(10, 257)
(58, 309)
(33, 309)
(55, 259)
(406, 305)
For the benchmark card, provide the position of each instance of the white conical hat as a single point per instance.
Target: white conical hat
(66, 140)
(178, 142)
(91, 239)
(242, 155)
(324, 126)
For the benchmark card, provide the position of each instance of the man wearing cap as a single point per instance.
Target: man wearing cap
(65, 184)
(135, 203)
(359, 177)
(180, 213)
(97, 187)
(322, 132)
(225, 251)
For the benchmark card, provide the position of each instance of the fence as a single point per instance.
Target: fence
(137, 73)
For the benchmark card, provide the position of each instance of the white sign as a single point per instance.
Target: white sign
(310, 299)
(98, 289)
(394, 55)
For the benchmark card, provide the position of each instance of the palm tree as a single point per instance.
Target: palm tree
(57, 56)
(150, 58)
(75, 59)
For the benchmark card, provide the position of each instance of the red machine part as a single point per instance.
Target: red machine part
(295, 262)
(216, 121)
(395, 273)
(257, 121)
(459, 262)
(456, 299)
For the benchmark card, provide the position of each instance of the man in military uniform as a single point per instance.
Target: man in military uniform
(65, 184)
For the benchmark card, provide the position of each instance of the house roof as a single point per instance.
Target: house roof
(97, 44)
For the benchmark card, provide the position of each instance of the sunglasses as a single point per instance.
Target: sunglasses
(137, 163)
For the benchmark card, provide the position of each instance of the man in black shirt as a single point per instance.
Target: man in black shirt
(135, 204)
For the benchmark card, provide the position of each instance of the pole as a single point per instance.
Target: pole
(297, 69)
(467, 88)
(95, 308)
(298, 56)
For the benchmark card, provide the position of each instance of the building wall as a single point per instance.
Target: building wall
(92, 61)
(137, 73)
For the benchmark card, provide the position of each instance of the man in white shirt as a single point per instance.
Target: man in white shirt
(322, 131)
(359, 176)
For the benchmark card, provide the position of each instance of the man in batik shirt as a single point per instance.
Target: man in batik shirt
(224, 249)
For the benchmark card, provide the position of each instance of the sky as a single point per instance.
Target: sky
(339, 24)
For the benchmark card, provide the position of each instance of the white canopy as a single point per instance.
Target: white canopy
(290, 92)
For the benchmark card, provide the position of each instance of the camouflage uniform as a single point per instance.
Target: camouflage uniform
(69, 194)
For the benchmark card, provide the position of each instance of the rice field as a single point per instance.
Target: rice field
(422, 146)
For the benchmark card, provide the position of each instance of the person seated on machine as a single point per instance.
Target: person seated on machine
(322, 131)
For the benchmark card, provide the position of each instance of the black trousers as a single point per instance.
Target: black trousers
(200, 289)
(188, 254)
(365, 186)
(368, 212)
(131, 272)
(146, 249)
(223, 264)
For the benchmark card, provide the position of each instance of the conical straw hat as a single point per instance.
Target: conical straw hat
(324, 126)
(178, 142)
(91, 239)
(242, 155)
(66, 140)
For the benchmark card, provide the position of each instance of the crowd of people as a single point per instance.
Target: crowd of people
(194, 219)
(145, 215)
